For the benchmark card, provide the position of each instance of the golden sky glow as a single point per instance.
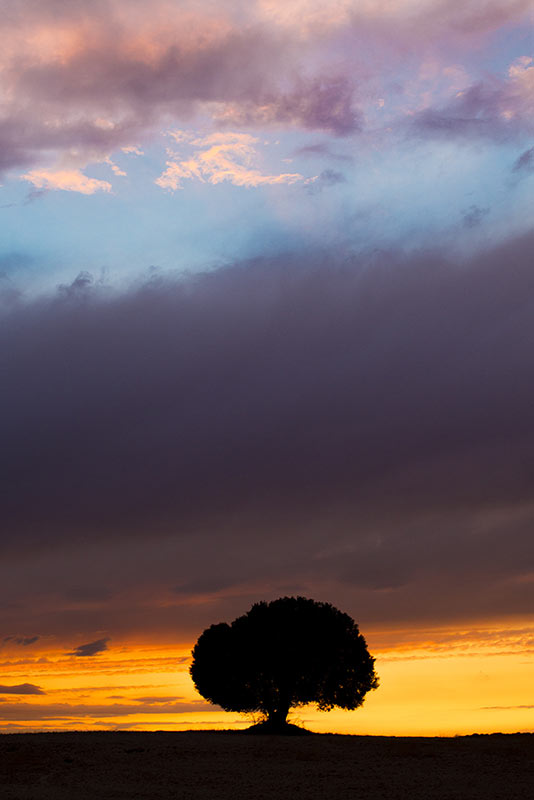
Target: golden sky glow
(432, 682)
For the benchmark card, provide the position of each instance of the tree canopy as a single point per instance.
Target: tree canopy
(286, 653)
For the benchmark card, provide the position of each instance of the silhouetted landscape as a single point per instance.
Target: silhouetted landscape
(225, 764)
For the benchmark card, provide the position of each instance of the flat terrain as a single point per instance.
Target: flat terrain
(191, 765)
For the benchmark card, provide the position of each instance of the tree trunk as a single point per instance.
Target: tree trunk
(277, 717)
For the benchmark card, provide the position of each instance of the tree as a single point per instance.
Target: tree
(286, 653)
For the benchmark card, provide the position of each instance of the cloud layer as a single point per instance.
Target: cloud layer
(313, 423)
(79, 84)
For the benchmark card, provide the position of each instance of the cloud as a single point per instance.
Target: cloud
(525, 162)
(90, 649)
(67, 711)
(23, 640)
(496, 109)
(95, 81)
(353, 428)
(154, 700)
(473, 216)
(67, 180)
(22, 688)
(92, 83)
(321, 150)
(222, 157)
(327, 178)
(433, 17)
(317, 104)
(132, 150)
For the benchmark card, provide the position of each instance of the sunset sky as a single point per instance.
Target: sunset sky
(266, 329)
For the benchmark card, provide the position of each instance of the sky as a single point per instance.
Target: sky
(266, 329)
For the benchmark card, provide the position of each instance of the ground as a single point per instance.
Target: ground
(224, 765)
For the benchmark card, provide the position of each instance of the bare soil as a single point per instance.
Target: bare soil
(224, 764)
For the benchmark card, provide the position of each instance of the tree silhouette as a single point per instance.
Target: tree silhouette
(286, 653)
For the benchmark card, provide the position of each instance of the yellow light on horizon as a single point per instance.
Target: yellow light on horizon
(432, 683)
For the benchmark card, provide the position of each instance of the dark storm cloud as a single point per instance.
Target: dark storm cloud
(317, 422)
(90, 649)
(22, 688)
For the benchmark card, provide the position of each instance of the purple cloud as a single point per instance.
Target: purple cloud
(525, 163)
(111, 92)
(494, 109)
(22, 688)
(319, 104)
(322, 150)
(90, 649)
(25, 641)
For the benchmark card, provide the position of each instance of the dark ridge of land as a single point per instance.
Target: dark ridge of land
(228, 765)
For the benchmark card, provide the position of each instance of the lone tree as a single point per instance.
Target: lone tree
(283, 654)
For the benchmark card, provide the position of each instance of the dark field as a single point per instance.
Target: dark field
(224, 765)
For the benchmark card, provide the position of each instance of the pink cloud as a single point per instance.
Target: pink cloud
(222, 157)
(68, 180)
(99, 77)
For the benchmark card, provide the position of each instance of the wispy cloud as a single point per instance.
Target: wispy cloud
(71, 711)
(72, 180)
(222, 157)
(327, 178)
